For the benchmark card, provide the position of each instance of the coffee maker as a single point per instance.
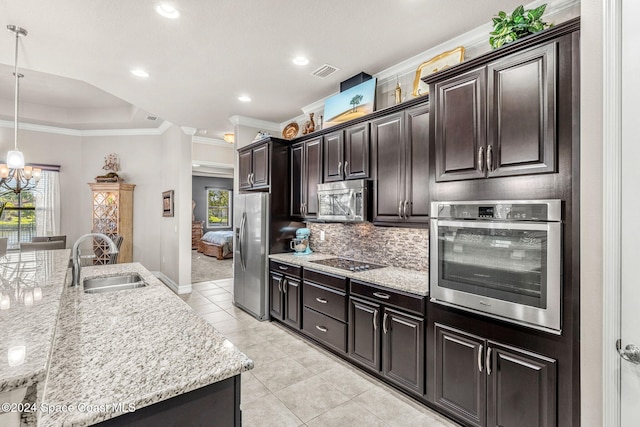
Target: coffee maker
(301, 242)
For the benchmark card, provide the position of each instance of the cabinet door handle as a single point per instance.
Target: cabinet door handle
(381, 295)
(346, 169)
(304, 209)
(282, 267)
(400, 209)
(384, 323)
(321, 328)
(488, 361)
(280, 286)
(480, 359)
(404, 209)
(322, 300)
(249, 178)
(285, 284)
(481, 159)
(490, 158)
(375, 320)
(340, 168)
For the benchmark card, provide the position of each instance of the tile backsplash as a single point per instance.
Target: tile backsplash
(398, 247)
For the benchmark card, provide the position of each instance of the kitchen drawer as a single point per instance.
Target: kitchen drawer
(325, 329)
(326, 279)
(404, 300)
(325, 300)
(280, 267)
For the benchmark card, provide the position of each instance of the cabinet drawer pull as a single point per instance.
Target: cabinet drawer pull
(282, 267)
(488, 361)
(321, 328)
(384, 323)
(322, 300)
(480, 359)
(490, 158)
(381, 295)
(481, 159)
(375, 320)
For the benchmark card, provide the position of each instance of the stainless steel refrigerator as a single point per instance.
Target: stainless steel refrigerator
(250, 253)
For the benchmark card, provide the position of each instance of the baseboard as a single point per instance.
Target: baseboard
(185, 289)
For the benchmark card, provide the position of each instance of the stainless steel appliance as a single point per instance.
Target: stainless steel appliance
(344, 201)
(250, 252)
(499, 258)
(348, 264)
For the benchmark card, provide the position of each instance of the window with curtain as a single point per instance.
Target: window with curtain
(32, 213)
(218, 208)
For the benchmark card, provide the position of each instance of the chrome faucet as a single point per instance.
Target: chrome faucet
(75, 254)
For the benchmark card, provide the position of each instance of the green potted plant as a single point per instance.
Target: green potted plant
(521, 23)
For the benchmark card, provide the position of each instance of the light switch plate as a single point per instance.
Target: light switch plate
(321, 235)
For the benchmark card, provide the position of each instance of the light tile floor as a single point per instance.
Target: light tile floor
(298, 384)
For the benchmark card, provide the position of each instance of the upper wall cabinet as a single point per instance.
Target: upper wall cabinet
(400, 158)
(346, 153)
(256, 162)
(498, 119)
(306, 174)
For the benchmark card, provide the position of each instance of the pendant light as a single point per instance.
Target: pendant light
(14, 175)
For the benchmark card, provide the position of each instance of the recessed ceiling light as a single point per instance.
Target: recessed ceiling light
(167, 11)
(195, 165)
(244, 98)
(139, 73)
(300, 60)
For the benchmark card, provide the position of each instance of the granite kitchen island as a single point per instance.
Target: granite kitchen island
(134, 354)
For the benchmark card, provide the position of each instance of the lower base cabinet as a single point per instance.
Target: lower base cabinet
(389, 342)
(485, 383)
(285, 294)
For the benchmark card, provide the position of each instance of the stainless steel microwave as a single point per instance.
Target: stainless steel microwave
(344, 201)
(502, 259)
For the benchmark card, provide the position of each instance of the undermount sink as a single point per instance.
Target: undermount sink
(113, 283)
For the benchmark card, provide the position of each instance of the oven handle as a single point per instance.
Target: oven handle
(513, 225)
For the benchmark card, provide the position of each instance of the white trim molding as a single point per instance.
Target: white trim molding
(89, 132)
(612, 186)
(254, 123)
(211, 141)
(185, 289)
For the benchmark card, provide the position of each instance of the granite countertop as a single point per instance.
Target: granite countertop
(131, 347)
(31, 287)
(402, 279)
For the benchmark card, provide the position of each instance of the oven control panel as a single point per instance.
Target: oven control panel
(513, 210)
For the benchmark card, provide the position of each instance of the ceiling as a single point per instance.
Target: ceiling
(78, 55)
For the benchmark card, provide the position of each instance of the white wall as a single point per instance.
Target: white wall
(591, 315)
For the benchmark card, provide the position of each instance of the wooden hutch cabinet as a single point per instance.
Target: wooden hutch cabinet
(112, 214)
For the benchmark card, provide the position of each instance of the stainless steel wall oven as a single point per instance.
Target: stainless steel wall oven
(499, 258)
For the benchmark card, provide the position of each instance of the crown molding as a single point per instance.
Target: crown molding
(89, 132)
(255, 123)
(188, 130)
(211, 141)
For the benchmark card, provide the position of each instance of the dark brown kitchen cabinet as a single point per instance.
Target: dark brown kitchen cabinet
(498, 119)
(364, 338)
(400, 157)
(385, 339)
(346, 153)
(325, 308)
(485, 383)
(285, 294)
(253, 167)
(306, 174)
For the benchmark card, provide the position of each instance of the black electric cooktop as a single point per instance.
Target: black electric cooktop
(348, 264)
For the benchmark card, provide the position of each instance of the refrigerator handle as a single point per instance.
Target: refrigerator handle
(241, 240)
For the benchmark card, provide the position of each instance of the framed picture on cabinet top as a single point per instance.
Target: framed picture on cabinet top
(167, 203)
(435, 64)
(355, 102)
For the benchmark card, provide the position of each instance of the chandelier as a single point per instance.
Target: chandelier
(14, 175)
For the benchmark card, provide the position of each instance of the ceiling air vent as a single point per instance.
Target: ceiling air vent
(325, 71)
(153, 118)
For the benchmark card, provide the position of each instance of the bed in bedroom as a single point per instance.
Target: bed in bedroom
(217, 243)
